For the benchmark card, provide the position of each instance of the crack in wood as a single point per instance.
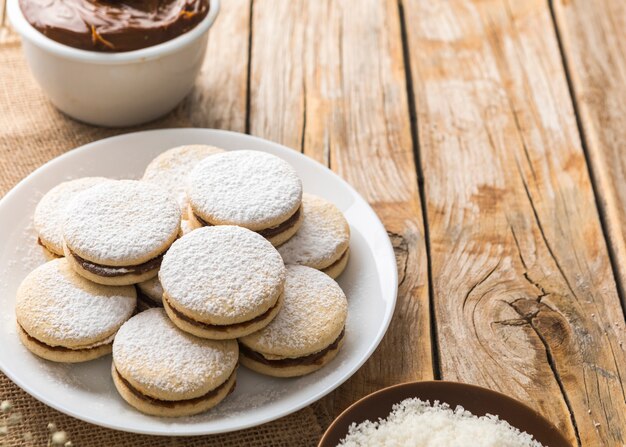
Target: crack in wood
(303, 137)
(249, 69)
(485, 278)
(543, 234)
(529, 317)
(436, 362)
(401, 249)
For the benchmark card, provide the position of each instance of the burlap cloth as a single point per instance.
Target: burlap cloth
(32, 132)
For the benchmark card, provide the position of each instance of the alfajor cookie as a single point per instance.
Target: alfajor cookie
(63, 317)
(250, 189)
(116, 232)
(50, 212)
(171, 168)
(149, 294)
(222, 282)
(308, 331)
(163, 371)
(323, 240)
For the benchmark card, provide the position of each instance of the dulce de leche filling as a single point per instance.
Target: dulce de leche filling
(220, 327)
(108, 271)
(311, 359)
(172, 403)
(113, 25)
(57, 348)
(266, 232)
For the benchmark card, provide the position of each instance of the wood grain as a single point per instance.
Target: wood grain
(3, 7)
(220, 94)
(327, 78)
(525, 299)
(593, 36)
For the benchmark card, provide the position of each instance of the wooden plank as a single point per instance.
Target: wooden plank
(328, 78)
(525, 299)
(593, 36)
(219, 98)
(3, 8)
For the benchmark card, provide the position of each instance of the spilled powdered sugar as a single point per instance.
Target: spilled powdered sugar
(223, 271)
(121, 222)
(58, 305)
(248, 188)
(150, 350)
(171, 168)
(50, 211)
(313, 315)
(324, 234)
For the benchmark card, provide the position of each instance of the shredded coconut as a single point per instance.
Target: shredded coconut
(222, 271)
(247, 188)
(171, 168)
(121, 222)
(60, 307)
(416, 423)
(313, 315)
(323, 236)
(150, 350)
(50, 211)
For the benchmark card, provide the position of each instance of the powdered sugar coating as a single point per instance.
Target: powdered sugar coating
(312, 317)
(61, 308)
(222, 275)
(167, 363)
(251, 189)
(170, 169)
(323, 236)
(50, 211)
(123, 222)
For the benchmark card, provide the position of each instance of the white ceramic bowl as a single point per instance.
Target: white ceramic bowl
(114, 89)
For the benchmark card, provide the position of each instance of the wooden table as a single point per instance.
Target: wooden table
(490, 138)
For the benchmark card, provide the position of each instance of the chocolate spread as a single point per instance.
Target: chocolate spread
(218, 327)
(312, 359)
(173, 403)
(107, 271)
(267, 232)
(113, 25)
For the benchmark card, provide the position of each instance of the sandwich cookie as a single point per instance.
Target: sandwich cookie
(250, 189)
(170, 169)
(163, 371)
(222, 282)
(308, 331)
(63, 317)
(323, 240)
(50, 212)
(116, 232)
(149, 294)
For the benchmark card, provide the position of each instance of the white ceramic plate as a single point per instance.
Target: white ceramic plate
(86, 391)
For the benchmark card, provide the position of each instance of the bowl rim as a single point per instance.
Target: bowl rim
(30, 33)
(344, 416)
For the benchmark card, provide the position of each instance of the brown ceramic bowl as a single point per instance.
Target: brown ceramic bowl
(477, 400)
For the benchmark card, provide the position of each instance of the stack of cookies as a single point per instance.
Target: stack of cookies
(222, 254)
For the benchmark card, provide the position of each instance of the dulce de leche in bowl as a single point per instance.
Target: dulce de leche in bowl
(112, 25)
(114, 62)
